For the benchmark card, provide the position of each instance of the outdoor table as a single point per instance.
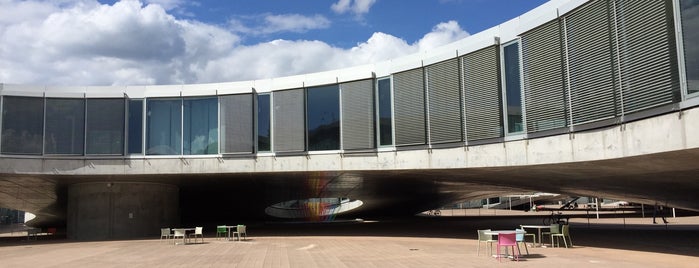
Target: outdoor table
(538, 228)
(184, 230)
(229, 227)
(497, 232)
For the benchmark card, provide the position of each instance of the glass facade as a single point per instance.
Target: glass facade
(264, 132)
(164, 126)
(65, 126)
(385, 113)
(513, 89)
(690, 34)
(135, 124)
(105, 126)
(200, 126)
(323, 118)
(22, 125)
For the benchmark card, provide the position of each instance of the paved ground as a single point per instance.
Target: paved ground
(420, 242)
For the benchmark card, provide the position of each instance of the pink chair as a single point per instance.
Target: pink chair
(508, 240)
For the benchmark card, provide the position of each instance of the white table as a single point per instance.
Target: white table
(229, 227)
(538, 228)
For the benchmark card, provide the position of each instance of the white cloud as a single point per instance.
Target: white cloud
(357, 7)
(270, 23)
(85, 43)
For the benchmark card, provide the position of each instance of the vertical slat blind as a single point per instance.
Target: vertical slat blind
(543, 76)
(237, 127)
(482, 95)
(647, 54)
(358, 115)
(590, 64)
(289, 122)
(409, 107)
(444, 102)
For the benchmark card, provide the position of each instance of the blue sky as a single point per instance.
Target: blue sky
(90, 42)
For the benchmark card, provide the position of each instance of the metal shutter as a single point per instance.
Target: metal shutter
(237, 127)
(590, 68)
(482, 94)
(444, 102)
(289, 121)
(358, 115)
(409, 107)
(647, 54)
(544, 92)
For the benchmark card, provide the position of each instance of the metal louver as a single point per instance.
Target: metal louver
(237, 135)
(482, 94)
(358, 115)
(444, 102)
(289, 121)
(409, 107)
(544, 91)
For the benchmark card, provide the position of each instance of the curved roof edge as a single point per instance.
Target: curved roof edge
(502, 33)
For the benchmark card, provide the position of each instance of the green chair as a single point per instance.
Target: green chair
(221, 231)
(565, 233)
(241, 230)
(554, 229)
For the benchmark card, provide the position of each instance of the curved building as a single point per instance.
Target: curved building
(587, 98)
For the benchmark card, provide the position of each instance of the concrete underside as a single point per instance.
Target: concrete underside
(642, 161)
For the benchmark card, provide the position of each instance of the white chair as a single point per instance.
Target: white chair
(533, 235)
(198, 232)
(165, 232)
(240, 230)
(485, 238)
(178, 233)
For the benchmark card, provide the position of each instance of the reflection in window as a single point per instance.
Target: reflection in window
(513, 89)
(135, 126)
(690, 34)
(163, 127)
(22, 125)
(323, 118)
(105, 126)
(385, 113)
(65, 126)
(200, 126)
(263, 123)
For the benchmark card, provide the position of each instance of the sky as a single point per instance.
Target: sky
(146, 42)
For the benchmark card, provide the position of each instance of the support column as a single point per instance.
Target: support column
(119, 210)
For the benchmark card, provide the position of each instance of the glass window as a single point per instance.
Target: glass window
(164, 126)
(263, 123)
(135, 134)
(385, 112)
(513, 89)
(65, 126)
(105, 126)
(690, 36)
(22, 125)
(323, 118)
(200, 126)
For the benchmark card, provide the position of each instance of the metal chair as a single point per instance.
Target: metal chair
(520, 240)
(178, 233)
(528, 234)
(198, 232)
(240, 230)
(165, 232)
(508, 240)
(221, 230)
(565, 232)
(485, 238)
(554, 229)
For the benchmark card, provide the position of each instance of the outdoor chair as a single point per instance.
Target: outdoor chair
(565, 233)
(508, 240)
(525, 236)
(221, 231)
(165, 232)
(485, 238)
(198, 232)
(240, 231)
(520, 240)
(178, 233)
(555, 229)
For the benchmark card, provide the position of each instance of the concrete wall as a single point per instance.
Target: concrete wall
(99, 210)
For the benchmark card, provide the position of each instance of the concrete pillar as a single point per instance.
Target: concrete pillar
(120, 210)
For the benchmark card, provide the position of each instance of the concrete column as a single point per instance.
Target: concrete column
(119, 210)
